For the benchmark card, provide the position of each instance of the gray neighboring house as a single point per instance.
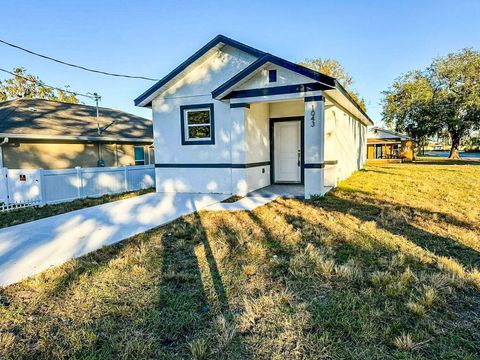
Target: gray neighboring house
(46, 134)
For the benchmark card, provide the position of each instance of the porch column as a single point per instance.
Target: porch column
(238, 116)
(314, 140)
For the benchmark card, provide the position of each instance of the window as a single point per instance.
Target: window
(197, 123)
(139, 154)
(272, 75)
(151, 154)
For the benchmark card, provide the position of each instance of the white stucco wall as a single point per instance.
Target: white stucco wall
(257, 133)
(196, 88)
(242, 134)
(287, 109)
(284, 77)
(345, 141)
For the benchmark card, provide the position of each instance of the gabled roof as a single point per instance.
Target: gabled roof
(325, 82)
(143, 100)
(42, 119)
(393, 134)
(223, 90)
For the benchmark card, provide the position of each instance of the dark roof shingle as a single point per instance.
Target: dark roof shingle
(52, 118)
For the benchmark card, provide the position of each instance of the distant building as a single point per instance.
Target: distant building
(385, 144)
(46, 134)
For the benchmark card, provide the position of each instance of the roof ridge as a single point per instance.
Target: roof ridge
(3, 104)
(190, 60)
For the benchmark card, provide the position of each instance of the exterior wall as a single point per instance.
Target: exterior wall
(209, 180)
(345, 141)
(370, 151)
(284, 77)
(242, 133)
(213, 72)
(49, 156)
(406, 148)
(406, 151)
(314, 151)
(196, 88)
(66, 155)
(287, 109)
(257, 137)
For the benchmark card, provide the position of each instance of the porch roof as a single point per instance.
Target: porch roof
(226, 89)
(320, 82)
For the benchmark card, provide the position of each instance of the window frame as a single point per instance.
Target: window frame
(272, 75)
(134, 159)
(184, 126)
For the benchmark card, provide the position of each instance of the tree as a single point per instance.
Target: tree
(445, 96)
(406, 106)
(23, 85)
(333, 68)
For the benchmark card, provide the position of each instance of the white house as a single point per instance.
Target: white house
(232, 119)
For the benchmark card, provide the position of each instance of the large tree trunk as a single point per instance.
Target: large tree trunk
(455, 145)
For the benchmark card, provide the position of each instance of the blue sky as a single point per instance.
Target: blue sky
(376, 41)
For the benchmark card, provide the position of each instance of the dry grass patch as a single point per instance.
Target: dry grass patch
(24, 215)
(385, 266)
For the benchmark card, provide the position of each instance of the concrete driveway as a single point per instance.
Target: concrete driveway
(30, 248)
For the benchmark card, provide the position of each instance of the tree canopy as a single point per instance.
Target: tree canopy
(27, 86)
(333, 68)
(444, 96)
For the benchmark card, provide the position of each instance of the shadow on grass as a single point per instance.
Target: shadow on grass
(365, 211)
(432, 161)
(192, 293)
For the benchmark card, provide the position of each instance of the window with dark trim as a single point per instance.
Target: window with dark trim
(272, 75)
(197, 124)
(139, 154)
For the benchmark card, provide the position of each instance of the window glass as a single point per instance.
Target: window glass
(139, 153)
(198, 117)
(198, 124)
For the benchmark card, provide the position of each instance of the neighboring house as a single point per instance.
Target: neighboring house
(232, 119)
(385, 144)
(47, 134)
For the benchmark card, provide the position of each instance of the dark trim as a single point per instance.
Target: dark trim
(276, 90)
(213, 166)
(272, 76)
(345, 93)
(314, 166)
(314, 98)
(331, 162)
(272, 146)
(212, 43)
(212, 124)
(327, 81)
(240, 105)
(250, 165)
(19, 140)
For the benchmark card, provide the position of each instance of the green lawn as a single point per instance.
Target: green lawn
(382, 267)
(20, 216)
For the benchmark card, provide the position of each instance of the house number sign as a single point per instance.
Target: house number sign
(313, 117)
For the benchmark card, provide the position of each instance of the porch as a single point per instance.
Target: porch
(282, 143)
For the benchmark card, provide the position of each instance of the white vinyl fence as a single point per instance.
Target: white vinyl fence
(31, 187)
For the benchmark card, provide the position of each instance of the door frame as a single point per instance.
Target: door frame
(272, 148)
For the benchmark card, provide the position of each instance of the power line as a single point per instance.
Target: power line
(48, 86)
(77, 66)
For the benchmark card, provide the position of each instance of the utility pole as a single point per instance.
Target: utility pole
(97, 98)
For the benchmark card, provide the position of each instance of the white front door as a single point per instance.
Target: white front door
(287, 151)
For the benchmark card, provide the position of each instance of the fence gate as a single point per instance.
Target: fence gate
(24, 185)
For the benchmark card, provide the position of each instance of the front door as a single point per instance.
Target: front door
(287, 151)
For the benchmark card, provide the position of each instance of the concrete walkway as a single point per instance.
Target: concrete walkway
(260, 197)
(30, 248)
